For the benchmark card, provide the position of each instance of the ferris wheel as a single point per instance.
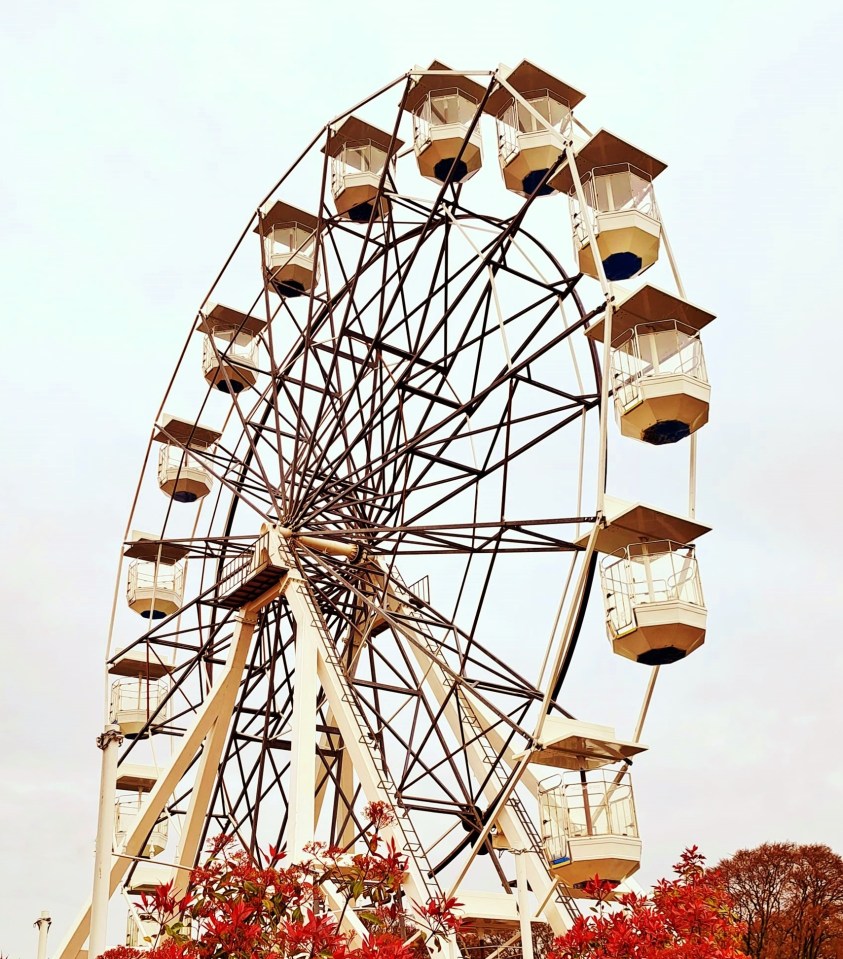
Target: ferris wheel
(383, 459)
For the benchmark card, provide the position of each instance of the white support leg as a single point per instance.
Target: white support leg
(345, 776)
(42, 924)
(302, 793)
(345, 835)
(200, 795)
(208, 713)
(109, 742)
(524, 908)
(346, 789)
(206, 775)
(350, 922)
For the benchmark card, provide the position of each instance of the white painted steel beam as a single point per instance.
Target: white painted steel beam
(210, 712)
(301, 796)
(208, 766)
(109, 742)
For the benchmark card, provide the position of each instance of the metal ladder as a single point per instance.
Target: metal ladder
(491, 759)
(365, 736)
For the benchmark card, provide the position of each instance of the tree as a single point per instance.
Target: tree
(238, 909)
(756, 880)
(791, 899)
(689, 917)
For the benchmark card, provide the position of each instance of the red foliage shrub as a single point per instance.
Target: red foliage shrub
(689, 917)
(238, 909)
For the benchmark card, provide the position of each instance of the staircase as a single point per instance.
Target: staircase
(491, 759)
(411, 844)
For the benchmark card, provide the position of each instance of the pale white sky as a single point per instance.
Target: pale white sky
(137, 140)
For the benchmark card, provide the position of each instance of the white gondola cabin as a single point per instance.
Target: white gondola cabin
(136, 777)
(141, 660)
(140, 691)
(230, 347)
(126, 812)
(529, 146)
(446, 130)
(659, 379)
(587, 813)
(134, 780)
(148, 875)
(155, 590)
(155, 582)
(490, 914)
(655, 613)
(134, 702)
(143, 932)
(572, 744)
(589, 827)
(182, 476)
(289, 238)
(362, 161)
(616, 180)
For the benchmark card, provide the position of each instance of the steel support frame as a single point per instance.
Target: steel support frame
(440, 685)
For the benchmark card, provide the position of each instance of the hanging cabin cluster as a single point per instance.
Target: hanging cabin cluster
(655, 612)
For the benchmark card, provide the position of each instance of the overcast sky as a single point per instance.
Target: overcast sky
(137, 140)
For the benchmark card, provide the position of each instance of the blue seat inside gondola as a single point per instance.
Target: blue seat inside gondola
(457, 170)
(621, 266)
(532, 180)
